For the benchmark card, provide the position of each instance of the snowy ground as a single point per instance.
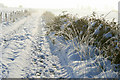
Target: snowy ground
(16, 46)
(28, 53)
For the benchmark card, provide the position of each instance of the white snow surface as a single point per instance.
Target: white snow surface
(26, 52)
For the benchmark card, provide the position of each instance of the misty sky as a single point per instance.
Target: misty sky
(94, 4)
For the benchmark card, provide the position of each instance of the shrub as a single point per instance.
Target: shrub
(90, 30)
(48, 17)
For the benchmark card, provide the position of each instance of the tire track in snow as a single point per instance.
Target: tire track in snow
(45, 64)
(16, 48)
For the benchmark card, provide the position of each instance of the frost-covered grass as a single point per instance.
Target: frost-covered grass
(90, 41)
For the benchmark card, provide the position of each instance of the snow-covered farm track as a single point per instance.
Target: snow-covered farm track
(16, 51)
(26, 52)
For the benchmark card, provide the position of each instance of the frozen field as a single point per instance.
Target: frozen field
(26, 52)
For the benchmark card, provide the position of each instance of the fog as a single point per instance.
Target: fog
(80, 7)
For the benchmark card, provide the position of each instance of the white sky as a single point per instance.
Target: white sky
(98, 4)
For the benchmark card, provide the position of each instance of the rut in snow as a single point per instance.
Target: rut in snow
(26, 52)
(47, 65)
(16, 48)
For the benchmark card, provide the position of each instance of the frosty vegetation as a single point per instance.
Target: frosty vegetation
(92, 37)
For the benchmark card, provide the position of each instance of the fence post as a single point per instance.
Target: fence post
(5, 16)
(119, 14)
(0, 17)
(13, 16)
(8, 17)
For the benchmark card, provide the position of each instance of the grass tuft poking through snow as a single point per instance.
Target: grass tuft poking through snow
(90, 45)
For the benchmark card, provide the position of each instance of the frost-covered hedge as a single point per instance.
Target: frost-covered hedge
(91, 31)
(48, 17)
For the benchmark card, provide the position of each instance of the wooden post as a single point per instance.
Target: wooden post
(10, 17)
(6, 17)
(119, 14)
(13, 16)
(0, 17)
(3, 17)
